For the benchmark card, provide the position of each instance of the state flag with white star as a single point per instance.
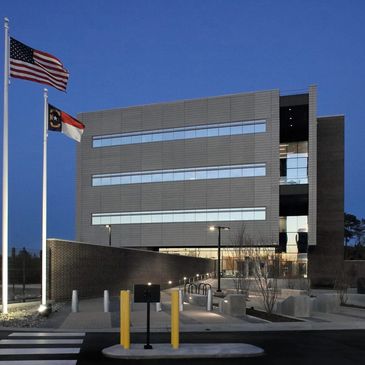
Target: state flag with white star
(59, 121)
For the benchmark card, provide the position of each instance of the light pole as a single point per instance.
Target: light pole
(212, 228)
(109, 227)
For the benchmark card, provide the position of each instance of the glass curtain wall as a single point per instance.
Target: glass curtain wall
(294, 163)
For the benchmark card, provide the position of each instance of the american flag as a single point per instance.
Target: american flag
(29, 64)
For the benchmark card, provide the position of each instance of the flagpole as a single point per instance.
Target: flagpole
(44, 201)
(5, 173)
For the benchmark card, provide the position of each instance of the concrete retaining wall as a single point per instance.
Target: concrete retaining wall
(290, 292)
(91, 268)
(196, 299)
(356, 299)
(234, 305)
(297, 306)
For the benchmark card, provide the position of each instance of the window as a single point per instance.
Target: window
(292, 225)
(294, 163)
(188, 174)
(171, 134)
(180, 216)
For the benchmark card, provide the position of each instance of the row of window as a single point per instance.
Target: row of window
(171, 134)
(180, 216)
(199, 173)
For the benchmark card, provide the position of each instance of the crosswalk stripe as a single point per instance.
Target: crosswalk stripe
(42, 341)
(47, 334)
(38, 362)
(39, 351)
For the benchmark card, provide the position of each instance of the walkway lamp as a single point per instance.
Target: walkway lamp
(213, 228)
(109, 227)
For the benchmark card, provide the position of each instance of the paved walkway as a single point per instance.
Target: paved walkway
(194, 318)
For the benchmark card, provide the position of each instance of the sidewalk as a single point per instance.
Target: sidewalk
(194, 319)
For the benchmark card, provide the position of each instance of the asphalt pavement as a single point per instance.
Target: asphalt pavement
(284, 348)
(309, 347)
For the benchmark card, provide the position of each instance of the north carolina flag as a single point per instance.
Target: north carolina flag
(59, 121)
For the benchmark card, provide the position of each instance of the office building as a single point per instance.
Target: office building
(157, 176)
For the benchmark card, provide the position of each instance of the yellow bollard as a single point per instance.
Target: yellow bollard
(125, 319)
(121, 318)
(175, 319)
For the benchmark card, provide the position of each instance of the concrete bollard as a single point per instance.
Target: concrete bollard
(158, 307)
(210, 300)
(181, 300)
(74, 302)
(106, 301)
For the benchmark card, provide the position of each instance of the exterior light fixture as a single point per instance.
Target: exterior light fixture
(149, 284)
(109, 228)
(212, 228)
(185, 277)
(45, 310)
(170, 282)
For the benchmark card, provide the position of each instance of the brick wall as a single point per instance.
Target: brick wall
(92, 268)
(326, 258)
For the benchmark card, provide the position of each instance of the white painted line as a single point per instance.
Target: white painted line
(46, 334)
(39, 362)
(39, 351)
(42, 341)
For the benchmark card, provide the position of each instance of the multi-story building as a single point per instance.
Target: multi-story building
(158, 175)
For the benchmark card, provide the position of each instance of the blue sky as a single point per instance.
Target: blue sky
(121, 53)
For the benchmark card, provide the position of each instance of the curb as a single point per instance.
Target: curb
(185, 351)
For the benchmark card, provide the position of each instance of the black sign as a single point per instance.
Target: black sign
(146, 293)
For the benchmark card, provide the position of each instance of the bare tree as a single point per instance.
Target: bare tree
(266, 270)
(237, 260)
(265, 267)
(341, 286)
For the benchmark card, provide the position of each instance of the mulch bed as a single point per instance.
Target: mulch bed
(25, 316)
(272, 317)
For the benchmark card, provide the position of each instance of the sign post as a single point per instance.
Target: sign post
(147, 294)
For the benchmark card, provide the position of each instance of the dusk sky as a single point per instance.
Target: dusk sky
(121, 53)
